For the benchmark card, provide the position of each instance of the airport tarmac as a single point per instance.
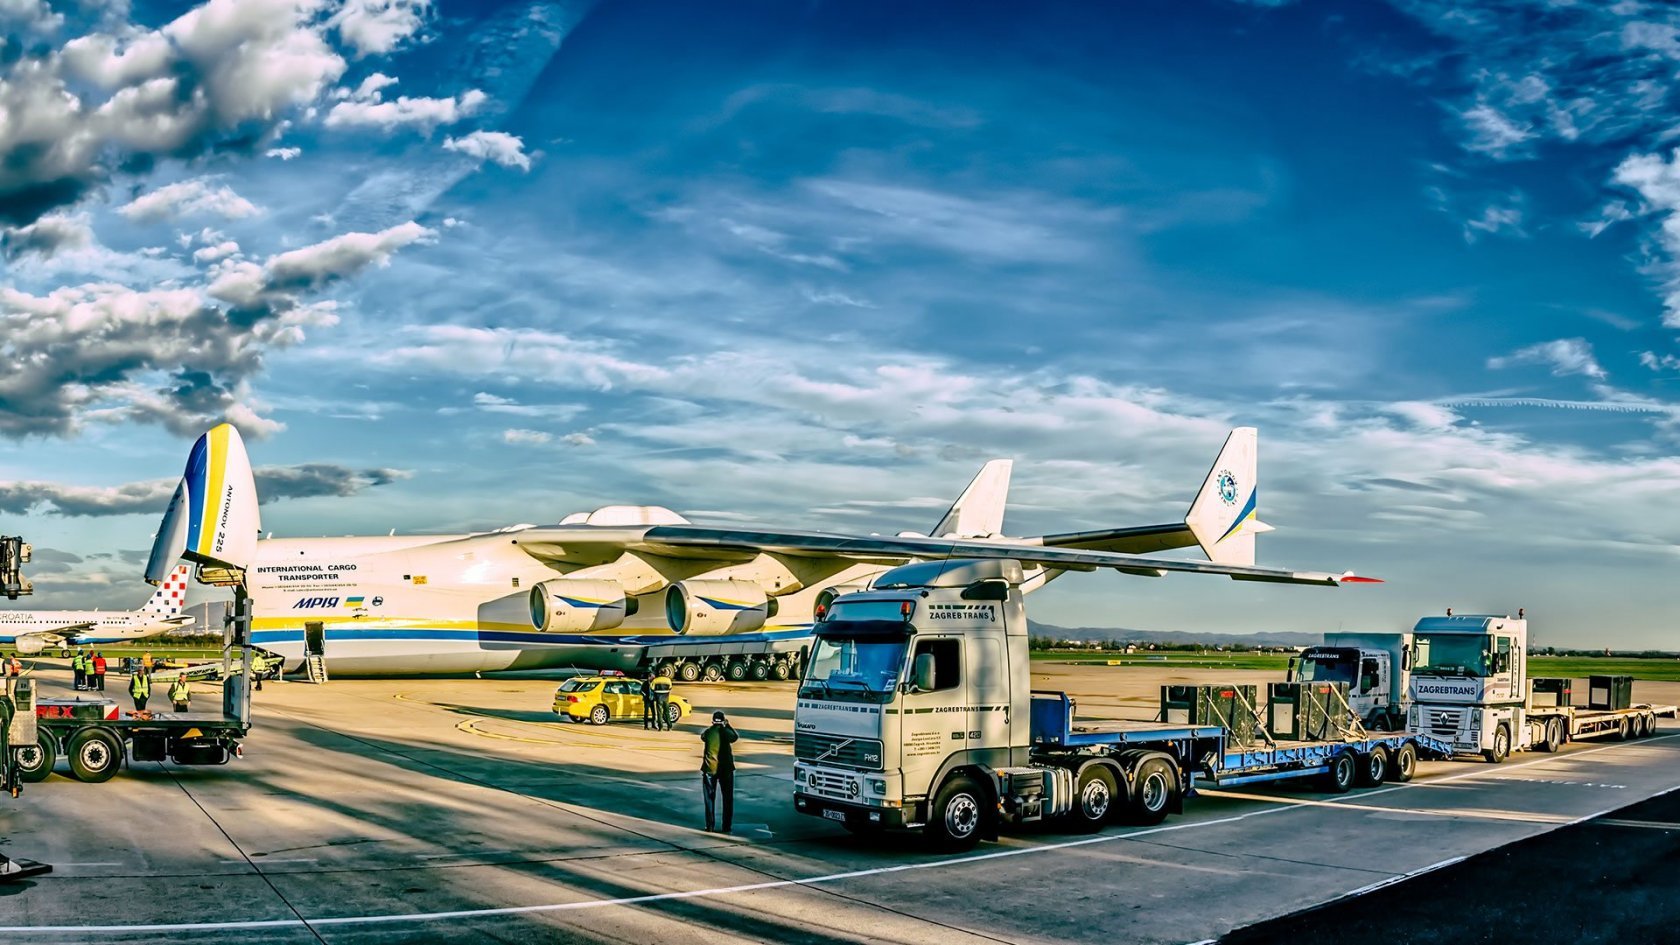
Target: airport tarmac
(446, 809)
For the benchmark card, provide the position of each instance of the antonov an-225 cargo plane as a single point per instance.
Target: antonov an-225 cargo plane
(598, 589)
(31, 631)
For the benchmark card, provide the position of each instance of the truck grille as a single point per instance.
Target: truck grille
(1444, 722)
(833, 785)
(861, 753)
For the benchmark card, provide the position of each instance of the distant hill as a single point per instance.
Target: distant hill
(1175, 637)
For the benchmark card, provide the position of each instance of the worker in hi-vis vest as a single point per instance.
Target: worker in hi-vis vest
(661, 687)
(140, 687)
(180, 693)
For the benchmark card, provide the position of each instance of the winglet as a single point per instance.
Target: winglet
(1223, 516)
(213, 518)
(978, 512)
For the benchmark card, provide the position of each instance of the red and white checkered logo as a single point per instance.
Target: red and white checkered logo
(171, 595)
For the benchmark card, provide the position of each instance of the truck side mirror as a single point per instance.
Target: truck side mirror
(1289, 675)
(1406, 656)
(921, 672)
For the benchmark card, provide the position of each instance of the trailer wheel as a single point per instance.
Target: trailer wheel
(713, 672)
(1405, 764)
(599, 715)
(35, 762)
(688, 671)
(1647, 726)
(1343, 771)
(1094, 800)
(736, 671)
(780, 670)
(1373, 767)
(759, 670)
(1153, 789)
(94, 756)
(958, 813)
(1622, 730)
(1501, 745)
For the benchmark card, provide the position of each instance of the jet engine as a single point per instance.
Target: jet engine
(707, 608)
(30, 644)
(566, 605)
(826, 597)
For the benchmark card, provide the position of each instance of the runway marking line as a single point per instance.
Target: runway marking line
(586, 904)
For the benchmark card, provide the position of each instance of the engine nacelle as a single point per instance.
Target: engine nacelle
(30, 645)
(707, 608)
(566, 605)
(826, 597)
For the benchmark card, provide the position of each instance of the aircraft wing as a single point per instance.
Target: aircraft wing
(1137, 540)
(674, 540)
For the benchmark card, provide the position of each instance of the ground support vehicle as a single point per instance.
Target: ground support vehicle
(1470, 689)
(602, 699)
(1376, 668)
(916, 712)
(687, 659)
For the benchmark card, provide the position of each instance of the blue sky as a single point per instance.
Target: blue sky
(454, 266)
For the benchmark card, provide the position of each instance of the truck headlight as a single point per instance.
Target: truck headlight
(1476, 718)
(877, 786)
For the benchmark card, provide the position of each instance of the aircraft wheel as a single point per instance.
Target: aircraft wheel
(736, 671)
(780, 670)
(759, 670)
(713, 672)
(688, 671)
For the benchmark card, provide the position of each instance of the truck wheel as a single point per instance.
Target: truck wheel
(759, 670)
(94, 756)
(957, 815)
(1405, 764)
(1553, 739)
(1343, 771)
(1152, 792)
(1373, 767)
(35, 762)
(780, 670)
(599, 715)
(688, 671)
(713, 672)
(736, 671)
(1094, 801)
(1501, 746)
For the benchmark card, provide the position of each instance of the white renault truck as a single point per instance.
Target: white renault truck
(1376, 668)
(1470, 688)
(916, 711)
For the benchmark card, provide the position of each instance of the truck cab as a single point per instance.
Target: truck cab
(1375, 667)
(1469, 680)
(907, 684)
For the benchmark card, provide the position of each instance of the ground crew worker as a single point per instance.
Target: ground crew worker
(647, 701)
(661, 687)
(146, 662)
(79, 669)
(140, 687)
(180, 693)
(99, 671)
(14, 666)
(717, 769)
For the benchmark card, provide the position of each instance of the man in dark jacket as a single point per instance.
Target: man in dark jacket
(717, 769)
(647, 701)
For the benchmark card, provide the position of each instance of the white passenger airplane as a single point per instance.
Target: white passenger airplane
(31, 631)
(615, 588)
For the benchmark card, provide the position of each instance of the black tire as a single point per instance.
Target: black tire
(735, 671)
(1154, 785)
(599, 715)
(1623, 730)
(1647, 726)
(1095, 799)
(35, 762)
(1404, 766)
(1501, 748)
(666, 668)
(957, 818)
(673, 713)
(780, 670)
(1343, 772)
(1373, 767)
(759, 670)
(95, 756)
(1548, 741)
(713, 672)
(688, 671)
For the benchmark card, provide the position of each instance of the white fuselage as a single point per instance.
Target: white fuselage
(103, 626)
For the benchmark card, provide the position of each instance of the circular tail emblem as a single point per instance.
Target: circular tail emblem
(1227, 487)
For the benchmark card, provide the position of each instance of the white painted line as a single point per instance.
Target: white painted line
(584, 904)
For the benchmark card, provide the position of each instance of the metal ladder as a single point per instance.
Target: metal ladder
(316, 667)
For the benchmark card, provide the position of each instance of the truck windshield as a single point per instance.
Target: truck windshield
(1328, 666)
(1450, 654)
(854, 669)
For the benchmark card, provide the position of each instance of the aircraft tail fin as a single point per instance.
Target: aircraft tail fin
(1223, 516)
(212, 519)
(171, 596)
(978, 512)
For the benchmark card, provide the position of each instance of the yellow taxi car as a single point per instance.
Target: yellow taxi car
(601, 699)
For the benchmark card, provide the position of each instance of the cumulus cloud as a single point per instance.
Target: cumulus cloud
(151, 496)
(274, 286)
(47, 236)
(526, 437)
(376, 27)
(578, 439)
(284, 154)
(215, 253)
(219, 74)
(1565, 356)
(499, 147)
(367, 107)
(188, 198)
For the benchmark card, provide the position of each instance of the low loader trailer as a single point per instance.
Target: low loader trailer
(916, 711)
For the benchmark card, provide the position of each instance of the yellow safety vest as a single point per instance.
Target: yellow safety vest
(139, 687)
(180, 691)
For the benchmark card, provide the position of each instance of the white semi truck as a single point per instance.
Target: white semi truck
(1470, 688)
(1376, 668)
(916, 711)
